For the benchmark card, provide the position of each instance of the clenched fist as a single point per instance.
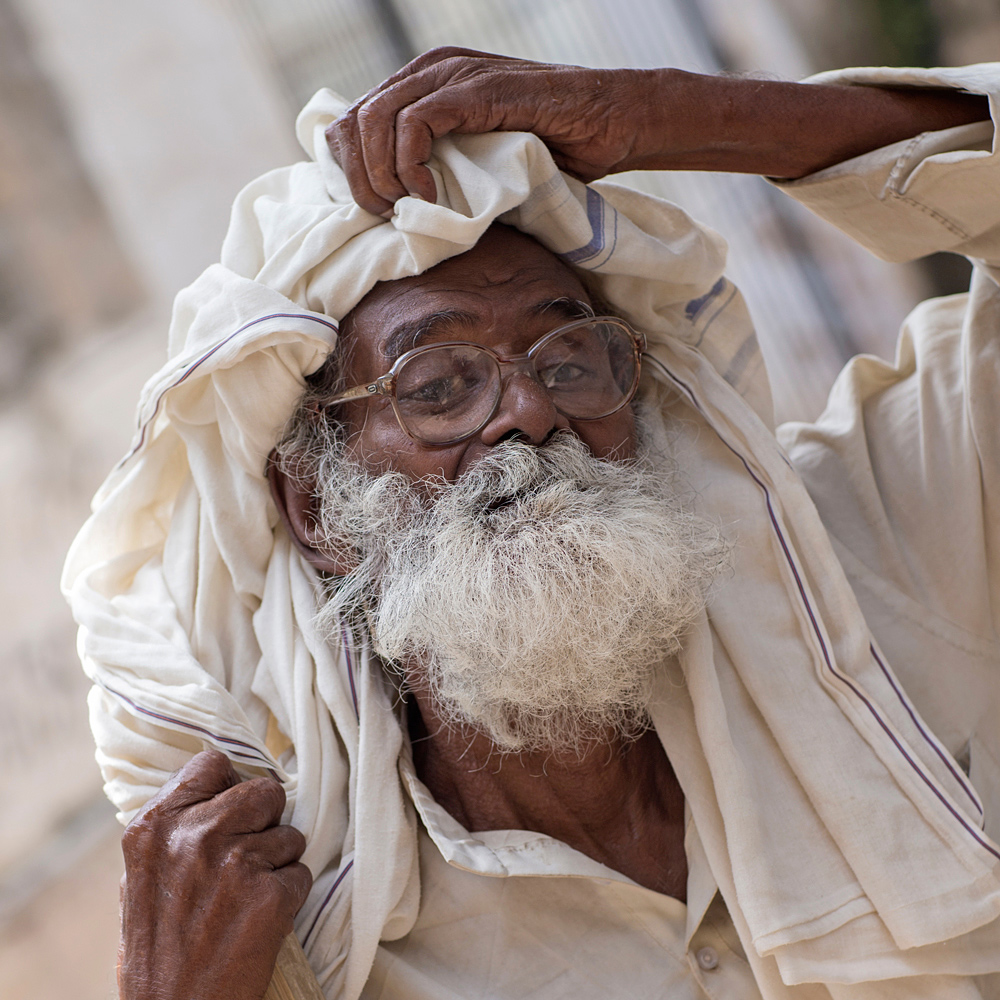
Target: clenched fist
(212, 883)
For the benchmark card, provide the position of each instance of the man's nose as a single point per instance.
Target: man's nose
(526, 411)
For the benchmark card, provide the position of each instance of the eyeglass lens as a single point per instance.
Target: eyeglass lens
(449, 392)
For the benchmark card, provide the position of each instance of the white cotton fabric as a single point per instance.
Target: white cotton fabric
(845, 840)
(511, 913)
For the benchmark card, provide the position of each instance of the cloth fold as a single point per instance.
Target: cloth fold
(197, 613)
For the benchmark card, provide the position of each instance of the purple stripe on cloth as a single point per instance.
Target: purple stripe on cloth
(255, 754)
(326, 900)
(966, 787)
(350, 668)
(962, 821)
(196, 364)
(246, 326)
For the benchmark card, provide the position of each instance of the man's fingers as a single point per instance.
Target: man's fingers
(248, 807)
(275, 847)
(203, 777)
(416, 129)
(214, 882)
(364, 142)
(437, 115)
(377, 114)
(377, 134)
(343, 138)
(296, 880)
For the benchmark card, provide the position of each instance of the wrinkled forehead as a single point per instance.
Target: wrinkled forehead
(508, 280)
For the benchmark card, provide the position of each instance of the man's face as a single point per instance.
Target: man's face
(504, 293)
(531, 592)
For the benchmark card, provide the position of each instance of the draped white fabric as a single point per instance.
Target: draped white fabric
(834, 822)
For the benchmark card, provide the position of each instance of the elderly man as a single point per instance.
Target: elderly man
(577, 683)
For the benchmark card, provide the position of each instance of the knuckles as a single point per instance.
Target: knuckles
(288, 890)
(440, 52)
(408, 118)
(144, 836)
(445, 53)
(264, 793)
(367, 116)
(206, 773)
(175, 826)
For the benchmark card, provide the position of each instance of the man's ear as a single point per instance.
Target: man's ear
(296, 507)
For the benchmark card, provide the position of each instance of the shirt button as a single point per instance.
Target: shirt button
(707, 958)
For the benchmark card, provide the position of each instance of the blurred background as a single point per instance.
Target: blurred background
(125, 131)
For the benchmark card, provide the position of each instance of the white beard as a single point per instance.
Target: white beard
(531, 599)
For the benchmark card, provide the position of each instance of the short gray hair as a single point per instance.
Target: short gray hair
(312, 434)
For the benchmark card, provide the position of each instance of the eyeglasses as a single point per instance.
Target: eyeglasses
(444, 393)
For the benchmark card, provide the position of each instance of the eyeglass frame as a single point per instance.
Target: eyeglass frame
(385, 385)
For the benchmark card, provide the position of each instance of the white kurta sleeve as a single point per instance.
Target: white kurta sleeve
(904, 464)
(936, 191)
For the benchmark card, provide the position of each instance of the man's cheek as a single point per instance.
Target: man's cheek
(612, 438)
(383, 446)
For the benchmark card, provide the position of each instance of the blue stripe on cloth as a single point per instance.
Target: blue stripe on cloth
(718, 312)
(695, 306)
(598, 240)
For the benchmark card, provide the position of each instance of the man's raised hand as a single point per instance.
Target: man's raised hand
(212, 883)
(384, 140)
(597, 122)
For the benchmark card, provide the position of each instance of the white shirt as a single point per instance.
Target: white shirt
(510, 913)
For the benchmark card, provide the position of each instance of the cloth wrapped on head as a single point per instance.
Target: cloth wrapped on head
(197, 612)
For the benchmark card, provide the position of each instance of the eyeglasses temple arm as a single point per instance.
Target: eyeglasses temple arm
(357, 392)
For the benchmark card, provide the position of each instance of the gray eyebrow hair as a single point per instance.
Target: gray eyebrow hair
(406, 336)
(569, 307)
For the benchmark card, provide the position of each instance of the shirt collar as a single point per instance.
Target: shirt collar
(506, 853)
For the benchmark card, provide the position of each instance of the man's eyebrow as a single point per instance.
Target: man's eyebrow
(565, 306)
(405, 337)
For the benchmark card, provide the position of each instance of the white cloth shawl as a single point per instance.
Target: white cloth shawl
(825, 805)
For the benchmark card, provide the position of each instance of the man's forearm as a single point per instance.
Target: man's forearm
(597, 122)
(687, 121)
